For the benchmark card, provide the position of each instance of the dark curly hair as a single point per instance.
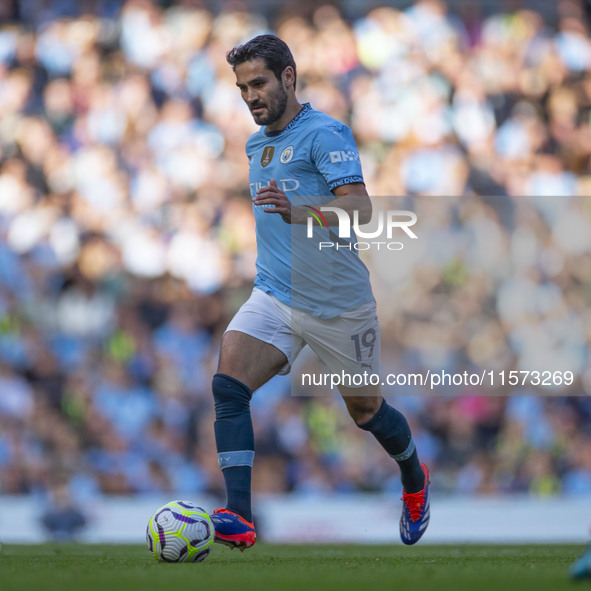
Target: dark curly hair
(269, 48)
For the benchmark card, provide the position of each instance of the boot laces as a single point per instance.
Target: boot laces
(414, 502)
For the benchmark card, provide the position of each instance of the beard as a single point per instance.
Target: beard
(275, 108)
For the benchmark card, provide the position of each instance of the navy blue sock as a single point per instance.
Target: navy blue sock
(391, 429)
(234, 439)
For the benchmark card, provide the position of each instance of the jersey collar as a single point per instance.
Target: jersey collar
(305, 108)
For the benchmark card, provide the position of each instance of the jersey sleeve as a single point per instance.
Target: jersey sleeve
(336, 156)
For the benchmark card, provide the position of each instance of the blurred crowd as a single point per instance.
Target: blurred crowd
(127, 241)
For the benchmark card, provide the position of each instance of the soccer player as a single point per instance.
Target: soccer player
(300, 152)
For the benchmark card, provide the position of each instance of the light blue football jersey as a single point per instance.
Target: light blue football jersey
(310, 157)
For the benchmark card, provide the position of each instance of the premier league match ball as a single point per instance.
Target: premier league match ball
(180, 531)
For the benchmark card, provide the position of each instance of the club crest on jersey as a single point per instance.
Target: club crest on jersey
(286, 155)
(267, 155)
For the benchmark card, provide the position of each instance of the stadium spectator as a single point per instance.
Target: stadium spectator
(63, 520)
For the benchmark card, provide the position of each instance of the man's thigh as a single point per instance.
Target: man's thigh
(259, 342)
(349, 343)
(248, 359)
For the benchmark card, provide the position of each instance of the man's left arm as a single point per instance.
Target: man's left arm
(336, 157)
(350, 198)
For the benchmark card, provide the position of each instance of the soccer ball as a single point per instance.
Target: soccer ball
(180, 531)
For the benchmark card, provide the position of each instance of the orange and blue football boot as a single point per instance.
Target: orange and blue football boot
(415, 513)
(232, 530)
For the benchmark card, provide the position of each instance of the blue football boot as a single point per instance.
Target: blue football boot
(415, 512)
(232, 530)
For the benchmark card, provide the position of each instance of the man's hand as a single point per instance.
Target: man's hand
(276, 201)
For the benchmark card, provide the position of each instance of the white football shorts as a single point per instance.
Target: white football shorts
(348, 343)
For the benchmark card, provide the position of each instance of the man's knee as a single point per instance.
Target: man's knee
(363, 408)
(231, 396)
(253, 362)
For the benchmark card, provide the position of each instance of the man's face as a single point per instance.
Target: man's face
(264, 94)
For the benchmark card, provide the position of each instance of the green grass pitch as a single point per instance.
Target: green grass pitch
(305, 568)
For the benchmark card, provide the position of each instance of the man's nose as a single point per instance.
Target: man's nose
(251, 96)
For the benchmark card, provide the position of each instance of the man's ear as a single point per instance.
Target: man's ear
(288, 76)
